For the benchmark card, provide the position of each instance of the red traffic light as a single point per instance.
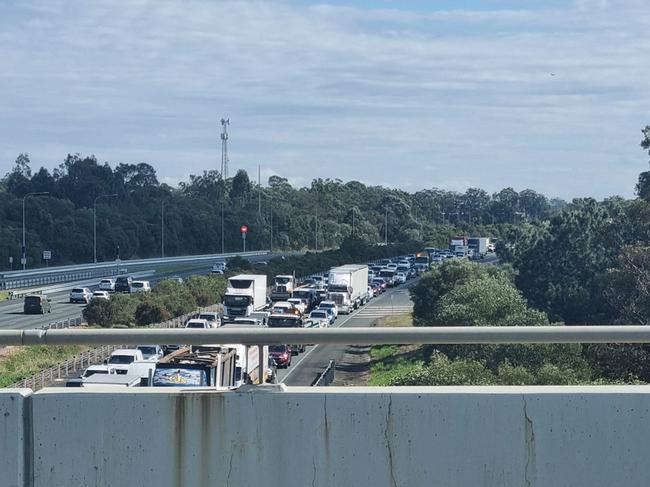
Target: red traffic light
(243, 229)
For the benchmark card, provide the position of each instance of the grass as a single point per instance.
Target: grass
(396, 320)
(388, 361)
(4, 295)
(22, 362)
(170, 269)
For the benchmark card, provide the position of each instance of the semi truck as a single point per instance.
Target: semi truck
(348, 286)
(283, 287)
(422, 261)
(245, 294)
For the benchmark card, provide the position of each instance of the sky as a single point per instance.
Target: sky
(548, 95)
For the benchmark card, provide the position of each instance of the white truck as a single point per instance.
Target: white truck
(247, 361)
(348, 286)
(245, 294)
(479, 245)
(283, 287)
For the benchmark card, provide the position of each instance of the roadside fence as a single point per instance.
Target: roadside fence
(327, 376)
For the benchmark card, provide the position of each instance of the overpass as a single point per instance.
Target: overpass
(278, 435)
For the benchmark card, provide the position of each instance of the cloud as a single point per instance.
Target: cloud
(330, 91)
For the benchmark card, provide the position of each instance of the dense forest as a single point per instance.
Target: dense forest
(131, 204)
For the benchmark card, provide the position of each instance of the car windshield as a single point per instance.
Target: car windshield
(33, 300)
(88, 373)
(148, 350)
(195, 324)
(318, 314)
(137, 284)
(208, 316)
(277, 348)
(121, 359)
(77, 290)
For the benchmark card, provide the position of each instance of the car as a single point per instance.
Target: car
(100, 295)
(177, 279)
(381, 283)
(199, 323)
(97, 369)
(121, 358)
(151, 353)
(330, 314)
(37, 303)
(211, 316)
(272, 371)
(248, 321)
(107, 284)
(284, 307)
(140, 287)
(376, 289)
(281, 355)
(321, 317)
(331, 305)
(298, 304)
(391, 266)
(370, 293)
(123, 284)
(80, 295)
(400, 278)
(219, 267)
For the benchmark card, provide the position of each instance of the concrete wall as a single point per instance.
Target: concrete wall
(14, 442)
(449, 436)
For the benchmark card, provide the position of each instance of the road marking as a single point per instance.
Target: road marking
(354, 314)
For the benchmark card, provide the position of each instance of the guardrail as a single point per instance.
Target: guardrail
(327, 376)
(95, 355)
(53, 275)
(457, 335)
(58, 325)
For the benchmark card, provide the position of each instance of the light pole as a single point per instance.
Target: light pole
(386, 227)
(37, 193)
(95, 222)
(443, 218)
(162, 228)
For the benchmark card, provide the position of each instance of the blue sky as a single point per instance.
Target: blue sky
(549, 95)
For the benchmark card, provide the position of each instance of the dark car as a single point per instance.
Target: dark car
(37, 303)
(381, 283)
(281, 354)
(123, 284)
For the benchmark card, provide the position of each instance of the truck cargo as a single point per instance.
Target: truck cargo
(199, 366)
(283, 287)
(247, 360)
(479, 245)
(348, 286)
(245, 294)
(422, 261)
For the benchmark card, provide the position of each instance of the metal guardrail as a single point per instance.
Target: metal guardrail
(58, 325)
(327, 376)
(343, 336)
(52, 275)
(95, 355)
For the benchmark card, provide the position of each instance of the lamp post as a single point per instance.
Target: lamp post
(95, 222)
(162, 228)
(37, 193)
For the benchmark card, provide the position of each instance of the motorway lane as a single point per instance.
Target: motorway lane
(306, 367)
(12, 316)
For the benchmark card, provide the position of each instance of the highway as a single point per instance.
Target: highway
(11, 311)
(307, 366)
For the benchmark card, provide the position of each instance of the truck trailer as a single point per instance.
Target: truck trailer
(348, 286)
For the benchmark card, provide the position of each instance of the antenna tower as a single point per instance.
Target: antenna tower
(224, 148)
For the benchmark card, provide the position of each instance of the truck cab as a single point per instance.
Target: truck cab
(283, 287)
(245, 294)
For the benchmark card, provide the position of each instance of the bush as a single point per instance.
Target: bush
(119, 310)
(150, 311)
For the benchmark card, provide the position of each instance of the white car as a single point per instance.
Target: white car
(101, 295)
(199, 323)
(151, 353)
(140, 287)
(107, 285)
(400, 278)
(80, 295)
(298, 304)
(320, 318)
(282, 308)
(331, 305)
(121, 358)
(97, 369)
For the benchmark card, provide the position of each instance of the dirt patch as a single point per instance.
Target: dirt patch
(354, 368)
(7, 351)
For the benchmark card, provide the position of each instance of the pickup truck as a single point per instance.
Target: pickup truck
(121, 358)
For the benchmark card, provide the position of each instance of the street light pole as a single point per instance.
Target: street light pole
(37, 193)
(95, 222)
(386, 226)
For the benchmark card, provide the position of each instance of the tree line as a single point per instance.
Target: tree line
(133, 209)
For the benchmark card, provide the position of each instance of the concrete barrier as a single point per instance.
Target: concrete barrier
(379, 437)
(15, 447)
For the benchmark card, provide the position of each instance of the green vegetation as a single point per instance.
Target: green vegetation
(27, 361)
(461, 293)
(193, 210)
(167, 300)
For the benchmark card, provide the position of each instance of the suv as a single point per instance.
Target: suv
(37, 303)
(121, 358)
(80, 295)
(140, 287)
(123, 284)
(107, 285)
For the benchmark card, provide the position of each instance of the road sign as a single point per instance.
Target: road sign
(47, 254)
(11, 259)
(243, 229)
